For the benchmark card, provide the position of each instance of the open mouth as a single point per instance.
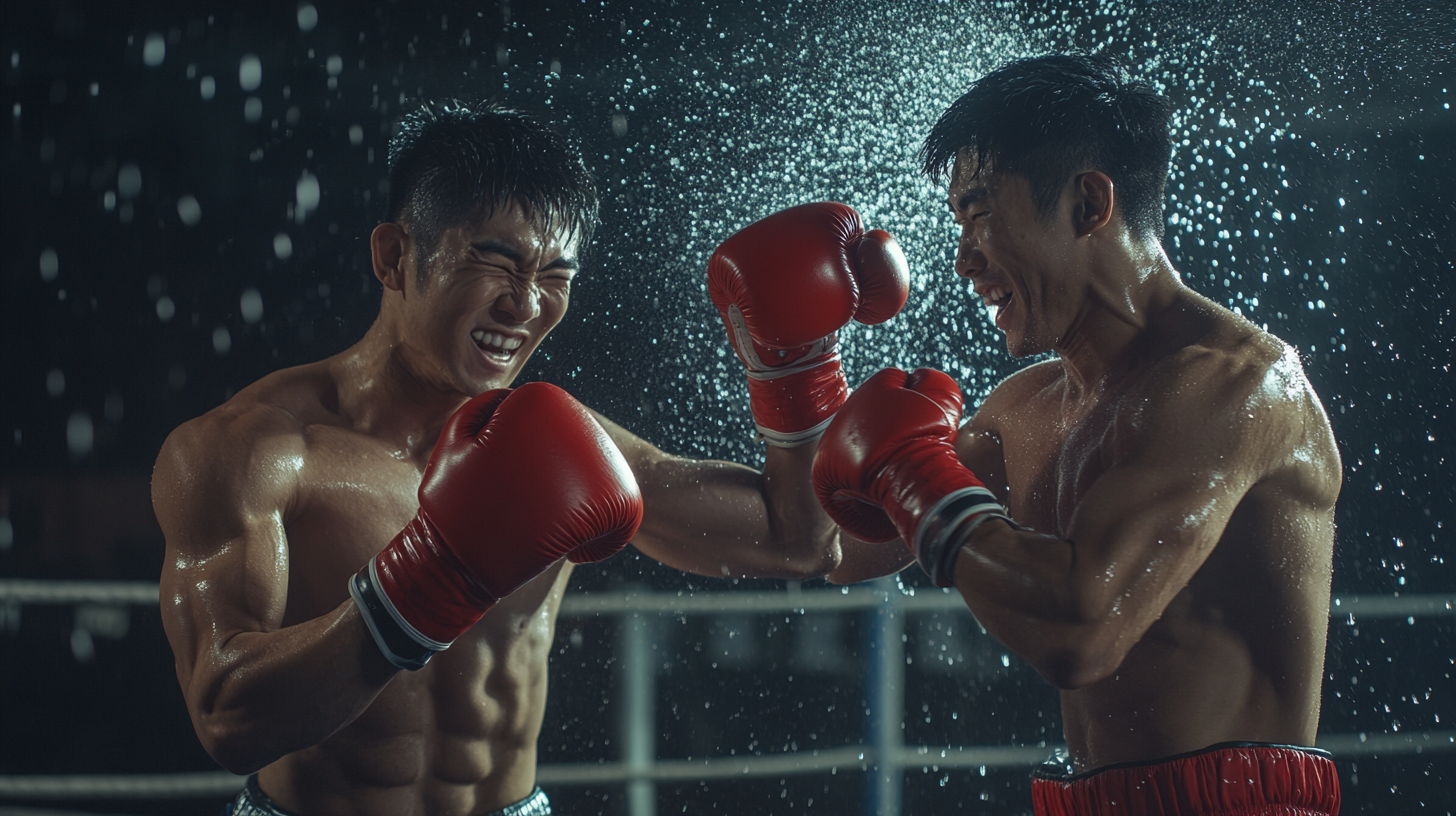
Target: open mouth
(497, 347)
(997, 298)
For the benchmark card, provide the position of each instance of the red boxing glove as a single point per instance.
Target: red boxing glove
(784, 286)
(518, 479)
(887, 466)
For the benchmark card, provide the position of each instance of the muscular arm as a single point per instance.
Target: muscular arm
(255, 691)
(726, 520)
(1180, 464)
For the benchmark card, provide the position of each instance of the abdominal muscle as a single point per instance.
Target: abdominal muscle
(1188, 684)
(456, 738)
(1235, 657)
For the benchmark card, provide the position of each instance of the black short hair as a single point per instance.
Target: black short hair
(1051, 117)
(453, 161)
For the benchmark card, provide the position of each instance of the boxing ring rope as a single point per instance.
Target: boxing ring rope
(640, 769)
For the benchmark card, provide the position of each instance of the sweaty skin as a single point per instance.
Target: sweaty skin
(273, 500)
(1175, 470)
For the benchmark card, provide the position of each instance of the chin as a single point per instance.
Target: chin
(1017, 346)
(494, 383)
(1027, 341)
(474, 384)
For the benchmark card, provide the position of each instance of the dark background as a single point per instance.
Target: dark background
(1310, 190)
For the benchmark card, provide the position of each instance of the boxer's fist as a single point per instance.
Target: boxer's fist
(887, 466)
(518, 479)
(784, 286)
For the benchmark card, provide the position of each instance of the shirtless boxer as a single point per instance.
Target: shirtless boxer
(1170, 472)
(412, 679)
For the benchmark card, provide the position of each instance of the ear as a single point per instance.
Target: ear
(1094, 200)
(390, 250)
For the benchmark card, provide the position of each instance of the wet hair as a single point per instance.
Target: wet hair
(452, 162)
(1048, 118)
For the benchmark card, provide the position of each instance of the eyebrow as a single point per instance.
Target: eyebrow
(968, 198)
(514, 255)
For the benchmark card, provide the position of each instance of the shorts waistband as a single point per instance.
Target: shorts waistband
(252, 801)
(1228, 779)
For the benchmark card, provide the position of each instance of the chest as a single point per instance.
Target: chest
(354, 496)
(1053, 456)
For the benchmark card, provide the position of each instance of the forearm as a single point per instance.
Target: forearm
(262, 695)
(1027, 589)
(726, 520)
(799, 530)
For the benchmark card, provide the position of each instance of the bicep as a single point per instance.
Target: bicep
(226, 568)
(1142, 523)
(1148, 523)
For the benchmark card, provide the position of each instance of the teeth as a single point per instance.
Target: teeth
(484, 338)
(995, 295)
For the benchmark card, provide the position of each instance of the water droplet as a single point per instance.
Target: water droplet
(222, 340)
(306, 199)
(250, 72)
(80, 434)
(308, 17)
(129, 181)
(250, 305)
(154, 50)
(189, 210)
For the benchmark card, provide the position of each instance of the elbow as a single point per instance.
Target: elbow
(1069, 671)
(231, 745)
(1083, 645)
(817, 562)
(813, 565)
(232, 754)
(1081, 660)
(802, 559)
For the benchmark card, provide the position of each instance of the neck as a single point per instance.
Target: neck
(388, 398)
(1120, 299)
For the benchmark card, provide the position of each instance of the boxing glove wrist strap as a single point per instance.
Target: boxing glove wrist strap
(796, 409)
(400, 642)
(943, 531)
(779, 439)
(776, 362)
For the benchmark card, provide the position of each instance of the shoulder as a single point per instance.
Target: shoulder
(1233, 365)
(1238, 387)
(1011, 395)
(250, 447)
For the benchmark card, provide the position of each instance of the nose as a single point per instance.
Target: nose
(520, 304)
(968, 260)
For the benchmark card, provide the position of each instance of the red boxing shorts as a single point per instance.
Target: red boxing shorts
(1228, 779)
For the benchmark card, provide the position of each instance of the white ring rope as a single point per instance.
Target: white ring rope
(143, 593)
(204, 784)
(120, 786)
(29, 591)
